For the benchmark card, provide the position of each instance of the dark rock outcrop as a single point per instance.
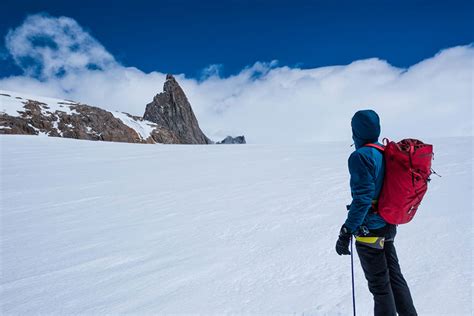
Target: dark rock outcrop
(233, 140)
(171, 110)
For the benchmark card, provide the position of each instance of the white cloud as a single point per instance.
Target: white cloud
(211, 71)
(47, 47)
(266, 102)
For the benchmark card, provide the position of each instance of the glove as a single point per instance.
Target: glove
(342, 244)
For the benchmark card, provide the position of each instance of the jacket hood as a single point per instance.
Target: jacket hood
(365, 127)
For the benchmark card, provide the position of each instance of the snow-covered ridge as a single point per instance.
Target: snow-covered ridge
(13, 107)
(12, 103)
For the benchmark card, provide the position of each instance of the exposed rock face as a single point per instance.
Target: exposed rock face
(61, 118)
(171, 110)
(233, 140)
(169, 119)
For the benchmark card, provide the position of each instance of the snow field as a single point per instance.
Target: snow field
(96, 227)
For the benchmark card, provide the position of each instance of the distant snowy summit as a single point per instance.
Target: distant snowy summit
(168, 119)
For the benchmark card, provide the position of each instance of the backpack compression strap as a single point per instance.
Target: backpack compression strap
(374, 205)
(381, 148)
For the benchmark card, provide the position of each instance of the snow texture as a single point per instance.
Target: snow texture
(108, 228)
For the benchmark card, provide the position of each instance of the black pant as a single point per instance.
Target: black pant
(382, 271)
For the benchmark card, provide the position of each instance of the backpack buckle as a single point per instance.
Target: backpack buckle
(362, 231)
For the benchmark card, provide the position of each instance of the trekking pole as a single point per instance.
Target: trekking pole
(352, 272)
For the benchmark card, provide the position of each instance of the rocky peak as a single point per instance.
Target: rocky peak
(170, 83)
(233, 140)
(171, 109)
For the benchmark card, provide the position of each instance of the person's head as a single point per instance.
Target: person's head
(365, 127)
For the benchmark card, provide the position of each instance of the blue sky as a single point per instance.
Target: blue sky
(411, 61)
(187, 36)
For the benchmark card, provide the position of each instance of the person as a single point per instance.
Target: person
(374, 237)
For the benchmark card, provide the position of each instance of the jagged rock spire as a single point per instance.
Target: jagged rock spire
(172, 110)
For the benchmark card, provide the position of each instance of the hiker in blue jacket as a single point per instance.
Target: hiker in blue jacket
(374, 237)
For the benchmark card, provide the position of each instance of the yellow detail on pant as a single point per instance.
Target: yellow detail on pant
(373, 242)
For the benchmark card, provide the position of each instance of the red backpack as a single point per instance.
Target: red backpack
(407, 172)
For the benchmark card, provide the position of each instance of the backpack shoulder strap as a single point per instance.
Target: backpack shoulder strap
(381, 148)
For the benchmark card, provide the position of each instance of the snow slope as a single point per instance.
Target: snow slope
(11, 103)
(95, 227)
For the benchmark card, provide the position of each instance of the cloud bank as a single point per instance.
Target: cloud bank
(266, 102)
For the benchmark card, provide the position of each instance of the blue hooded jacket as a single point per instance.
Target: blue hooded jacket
(367, 169)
